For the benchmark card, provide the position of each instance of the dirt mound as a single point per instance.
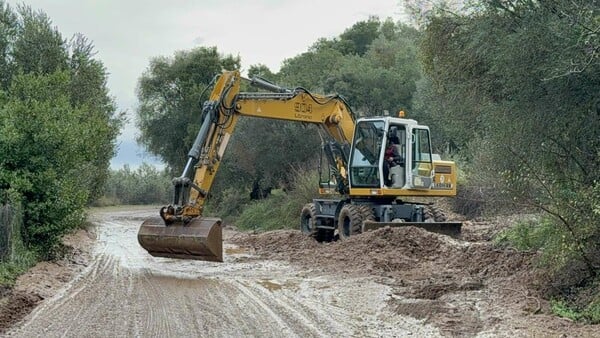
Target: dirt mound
(463, 287)
(427, 264)
(387, 249)
(485, 260)
(15, 306)
(278, 243)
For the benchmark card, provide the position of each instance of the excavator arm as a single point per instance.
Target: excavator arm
(181, 232)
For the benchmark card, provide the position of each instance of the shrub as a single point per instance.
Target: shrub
(282, 208)
(145, 185)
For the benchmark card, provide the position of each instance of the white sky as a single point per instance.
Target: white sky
(127, 34)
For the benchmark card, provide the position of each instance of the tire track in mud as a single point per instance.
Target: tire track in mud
(126, 292)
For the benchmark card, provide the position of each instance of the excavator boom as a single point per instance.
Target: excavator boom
(181, 231)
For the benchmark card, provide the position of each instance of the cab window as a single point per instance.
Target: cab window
(364, 162)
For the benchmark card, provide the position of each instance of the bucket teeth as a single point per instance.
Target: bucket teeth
(199, 239)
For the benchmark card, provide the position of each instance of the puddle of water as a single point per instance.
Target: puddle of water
(236, 251)
(271, 286)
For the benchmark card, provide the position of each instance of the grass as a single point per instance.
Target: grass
(590, 314)
(280, 210)
(11, 270)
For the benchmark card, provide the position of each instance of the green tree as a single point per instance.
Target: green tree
(45, 145)
(88, 91)
(384, 79)
(145, 185)
(38, 48)
(515, 84)
(57, 125)
(357, 39)
(171, 92)
(8, 34)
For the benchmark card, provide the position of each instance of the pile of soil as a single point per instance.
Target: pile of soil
(390, 250)
(434, 272)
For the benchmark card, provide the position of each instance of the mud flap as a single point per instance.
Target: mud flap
(199, 239)
(451, 229)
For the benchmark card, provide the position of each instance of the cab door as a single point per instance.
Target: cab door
(420, 175)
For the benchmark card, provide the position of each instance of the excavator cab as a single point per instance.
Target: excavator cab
(391, 153)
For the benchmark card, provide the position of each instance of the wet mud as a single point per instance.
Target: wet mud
(392, 282)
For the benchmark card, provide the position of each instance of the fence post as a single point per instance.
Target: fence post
(6, 230)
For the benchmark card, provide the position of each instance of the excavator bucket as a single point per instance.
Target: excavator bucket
(451, 229)
(199, 239)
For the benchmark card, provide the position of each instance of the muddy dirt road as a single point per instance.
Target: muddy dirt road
(392, 282)
(126, 292)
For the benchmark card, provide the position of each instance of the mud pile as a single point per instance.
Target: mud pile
(437, 278)
(393, 252)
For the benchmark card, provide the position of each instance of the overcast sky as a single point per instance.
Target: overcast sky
(128, 33)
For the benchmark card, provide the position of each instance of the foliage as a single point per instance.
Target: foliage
(15, 257)
(282, 208)
(513, 86)
(11, 270)
(171, 92)
(589, 314)
(144, 185)
(384, 79)
(373, 64)
(57, 125)
(561, 309)
(229, 204)
(537, 234)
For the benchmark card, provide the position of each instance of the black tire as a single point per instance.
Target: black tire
(349, 221)
(434, 214)
(367, 213)
(307, 219)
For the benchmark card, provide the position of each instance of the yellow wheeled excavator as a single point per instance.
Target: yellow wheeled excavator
(372, 164)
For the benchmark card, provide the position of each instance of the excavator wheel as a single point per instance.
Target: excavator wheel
(307, 224)
(307, 219)
(367, 213)
(350, 221)
(434, 214)
(199, 239)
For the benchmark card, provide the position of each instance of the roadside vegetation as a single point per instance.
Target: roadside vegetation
(57, 131)
(143, 185)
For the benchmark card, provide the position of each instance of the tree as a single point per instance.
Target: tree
(171, 92)
(88, 91)
(384, 79)
(57, 126)
(38, 48)
(357, 39)
(515, 84)
(8, 34)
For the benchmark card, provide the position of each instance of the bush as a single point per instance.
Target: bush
(589, 314)
(145, 185)
(530, 235)
(48, 149)
(281, 209)
(15, 258)
(278, 211)
(230, 204)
